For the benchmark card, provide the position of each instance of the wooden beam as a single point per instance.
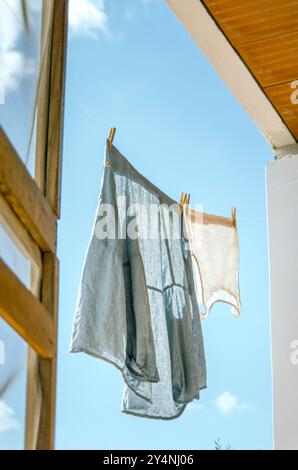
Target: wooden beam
(43, 96)
(56, 108)
(25, 313)
(41, 380)
(25, 198)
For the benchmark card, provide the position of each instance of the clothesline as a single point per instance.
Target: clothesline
(184, 201)
(207, 218)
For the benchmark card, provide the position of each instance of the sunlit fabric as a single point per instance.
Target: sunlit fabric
(137, 306)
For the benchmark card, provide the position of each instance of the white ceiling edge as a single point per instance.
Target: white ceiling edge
(232, 70)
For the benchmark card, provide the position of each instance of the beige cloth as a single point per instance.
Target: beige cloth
(215, 254)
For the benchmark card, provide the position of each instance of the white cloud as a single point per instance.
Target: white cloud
(87, 18)
(7, 418)
(14, 65)
(227, 403)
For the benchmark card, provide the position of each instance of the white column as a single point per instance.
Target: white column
(282, 213)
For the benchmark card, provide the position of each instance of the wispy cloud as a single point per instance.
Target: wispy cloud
(7, 418)
(88, 18)
(14, 65)
(228, 403)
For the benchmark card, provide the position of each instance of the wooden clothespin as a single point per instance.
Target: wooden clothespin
(111, 137)
(184, 200)
(234, 216)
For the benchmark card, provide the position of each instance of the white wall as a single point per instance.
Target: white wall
(282, 209)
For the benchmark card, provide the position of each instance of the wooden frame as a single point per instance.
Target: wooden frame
(25, 198)
(29, 209)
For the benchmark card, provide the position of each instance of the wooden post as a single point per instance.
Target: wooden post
(41, 378)
(56, 106)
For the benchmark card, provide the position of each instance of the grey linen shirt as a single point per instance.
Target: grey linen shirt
(137, 305)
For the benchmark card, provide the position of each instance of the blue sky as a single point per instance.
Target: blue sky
(132, 65)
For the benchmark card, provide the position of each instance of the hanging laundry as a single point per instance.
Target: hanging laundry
(143, 280)
(137, 306)
(214, 249)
